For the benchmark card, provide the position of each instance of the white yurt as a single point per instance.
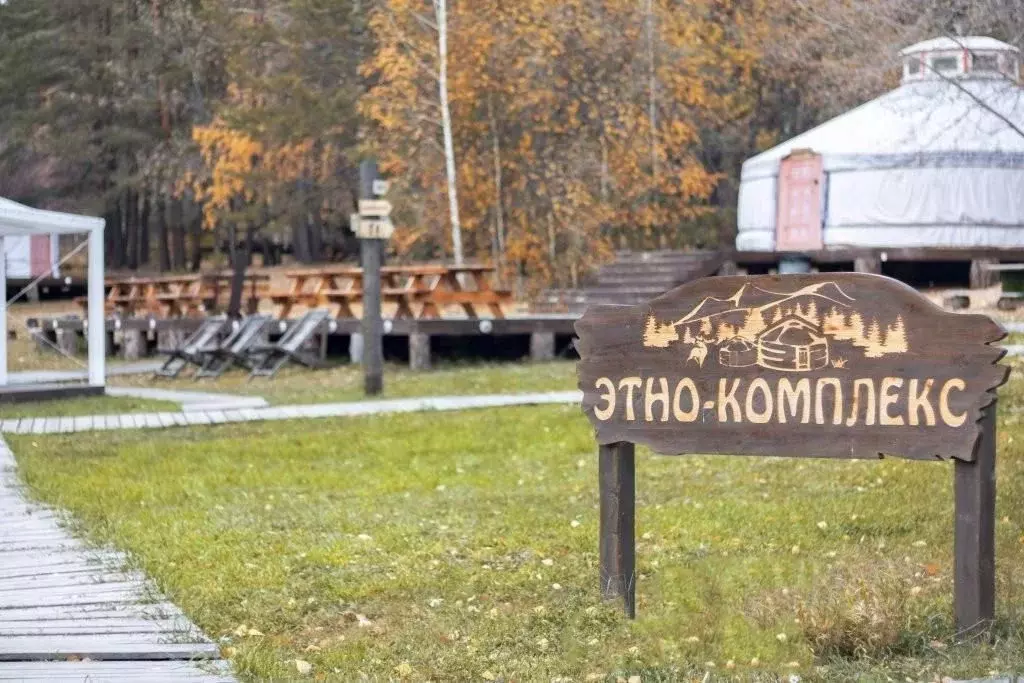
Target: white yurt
(937, 162)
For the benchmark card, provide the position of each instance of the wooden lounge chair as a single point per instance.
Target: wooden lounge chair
(267, 359)
(190, 350)
(217, 358)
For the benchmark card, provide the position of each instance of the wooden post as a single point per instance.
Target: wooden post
(617, 475)
(419, 351)
(974, 534)
(542, 346)
(372, 325)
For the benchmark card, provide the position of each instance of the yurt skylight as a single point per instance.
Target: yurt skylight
(961, 57)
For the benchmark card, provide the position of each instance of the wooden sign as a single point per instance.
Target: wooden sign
(837, 365)
(842, 366)
(371, 228)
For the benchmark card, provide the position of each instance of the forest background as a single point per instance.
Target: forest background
(540, 135)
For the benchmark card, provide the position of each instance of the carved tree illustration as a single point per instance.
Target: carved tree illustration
(873, 342)
(896, 337)
(833, 323)
(753, 325)
(854, 329)
(811, 315)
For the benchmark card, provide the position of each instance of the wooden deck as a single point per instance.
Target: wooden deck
(72, 612)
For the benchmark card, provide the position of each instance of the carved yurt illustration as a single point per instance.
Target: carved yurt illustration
(737, 353)
(792, 344)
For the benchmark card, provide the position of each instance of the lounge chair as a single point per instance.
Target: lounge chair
(190, 350)
(217, 358)
(267, 359)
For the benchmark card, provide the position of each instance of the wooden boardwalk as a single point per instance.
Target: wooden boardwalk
(69, 612)
(70, 425)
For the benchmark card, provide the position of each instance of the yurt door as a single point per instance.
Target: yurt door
(40, 256)
(803, 358)
(798, 223)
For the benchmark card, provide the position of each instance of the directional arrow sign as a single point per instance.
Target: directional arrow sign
(379, 208)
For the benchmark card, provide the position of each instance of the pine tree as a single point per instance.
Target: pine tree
(896, 337)
(811, 315)
(753, 325)
(833, 323)
(872, 342)
(855, 329)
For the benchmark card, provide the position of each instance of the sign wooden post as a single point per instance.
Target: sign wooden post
(616, 473)
(974, 566)
(373, 227)
(824, 365)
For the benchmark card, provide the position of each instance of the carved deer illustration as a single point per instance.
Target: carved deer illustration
(699, 353)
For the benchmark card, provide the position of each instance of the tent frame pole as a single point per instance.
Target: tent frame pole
(97, 332)
(3, 313)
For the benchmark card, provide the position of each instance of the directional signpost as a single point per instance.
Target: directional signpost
(373, 227)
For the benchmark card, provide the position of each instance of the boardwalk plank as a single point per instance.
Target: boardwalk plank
(159, 610)
(30, 572)
(122, 672)
(173, 631)
(123, 646)
(60, 580)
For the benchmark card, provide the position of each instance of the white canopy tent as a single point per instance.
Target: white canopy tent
(19, 220)
(937, 162)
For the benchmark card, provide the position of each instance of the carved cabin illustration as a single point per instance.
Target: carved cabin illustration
(792, 344)
(738, 353)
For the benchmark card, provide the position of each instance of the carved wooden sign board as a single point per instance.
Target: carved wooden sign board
(838, 365)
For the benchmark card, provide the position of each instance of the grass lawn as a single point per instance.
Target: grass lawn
(295, 385)
(94, 405)
(463, 547)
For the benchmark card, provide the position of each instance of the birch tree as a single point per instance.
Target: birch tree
(441, 26)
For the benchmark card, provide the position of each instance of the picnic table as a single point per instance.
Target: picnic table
(1011, 275)
(410, 291)
(172, 296)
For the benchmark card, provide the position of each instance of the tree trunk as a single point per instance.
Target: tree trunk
(144, 254)
(499, 211)
(652, 102)
(117, 234)
(196, 229)
(113, 234)
(241, 263)
(176, 225)
(131, 226)
(300, 239)
(441, 15)
(161, 234)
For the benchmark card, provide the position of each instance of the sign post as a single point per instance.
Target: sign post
(812, 365)
(373, 227)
